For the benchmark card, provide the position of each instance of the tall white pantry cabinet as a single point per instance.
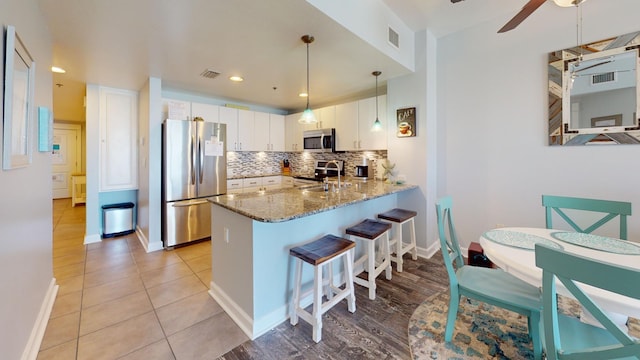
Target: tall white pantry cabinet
(118, 127)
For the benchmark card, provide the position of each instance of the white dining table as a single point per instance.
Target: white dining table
(513, 251)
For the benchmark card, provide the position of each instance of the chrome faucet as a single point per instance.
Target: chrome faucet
(326, 166)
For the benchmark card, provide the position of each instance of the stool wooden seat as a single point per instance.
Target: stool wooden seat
(318, 253)
(369, 231)
(399, 217)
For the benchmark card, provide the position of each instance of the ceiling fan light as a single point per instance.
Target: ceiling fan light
(567, 3)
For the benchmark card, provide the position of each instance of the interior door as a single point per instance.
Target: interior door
(65, 158)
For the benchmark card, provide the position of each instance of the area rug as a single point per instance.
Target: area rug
(482, 331)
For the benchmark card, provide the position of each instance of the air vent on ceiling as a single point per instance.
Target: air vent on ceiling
(603, 78)
(394, 38)
(208, 73)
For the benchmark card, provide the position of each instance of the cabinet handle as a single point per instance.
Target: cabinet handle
(359, 144)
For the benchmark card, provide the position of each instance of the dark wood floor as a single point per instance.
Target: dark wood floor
(377, 330)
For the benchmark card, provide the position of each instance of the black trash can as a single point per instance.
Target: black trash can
(117, 219)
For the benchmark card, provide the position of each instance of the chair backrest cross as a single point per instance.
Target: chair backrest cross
(568, 338)
(610, 209)
(492, 286)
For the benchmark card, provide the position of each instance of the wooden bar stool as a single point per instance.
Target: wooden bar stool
(399, 217)
(318, 253)
(369, 231)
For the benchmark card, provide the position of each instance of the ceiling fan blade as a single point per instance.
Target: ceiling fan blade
(527, 10)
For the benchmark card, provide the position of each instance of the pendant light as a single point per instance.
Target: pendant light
(377, 125)
(307, 115)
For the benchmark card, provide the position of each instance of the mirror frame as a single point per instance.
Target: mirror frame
(559, 106)
(19, 85)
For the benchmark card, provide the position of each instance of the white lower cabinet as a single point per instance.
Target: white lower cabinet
(234, 186)
(271, 182)
(252, 184)
(286, 182)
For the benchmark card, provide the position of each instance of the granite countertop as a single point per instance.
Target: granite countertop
(292, 203)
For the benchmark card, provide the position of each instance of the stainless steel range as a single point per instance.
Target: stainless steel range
(322, 169)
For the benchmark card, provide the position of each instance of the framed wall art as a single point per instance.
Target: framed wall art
(19, 81)
(406, 122)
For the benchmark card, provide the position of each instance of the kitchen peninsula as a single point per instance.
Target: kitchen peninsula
(251, 234)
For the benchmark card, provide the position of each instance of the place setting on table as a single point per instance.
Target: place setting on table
(512, 249)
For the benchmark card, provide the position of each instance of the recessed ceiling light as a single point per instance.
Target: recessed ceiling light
(236, 78)
(303, 94)
(58, 70)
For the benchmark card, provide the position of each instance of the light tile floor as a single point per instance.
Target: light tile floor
(116, 301)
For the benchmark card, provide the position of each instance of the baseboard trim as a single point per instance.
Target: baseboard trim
(93, 238)
(233, 310)
(148, 246)
(37, 333)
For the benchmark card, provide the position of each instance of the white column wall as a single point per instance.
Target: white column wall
(25, 209)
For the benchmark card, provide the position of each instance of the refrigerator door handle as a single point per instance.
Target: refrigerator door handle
(193, 162)
(201, 157)
(189, 203)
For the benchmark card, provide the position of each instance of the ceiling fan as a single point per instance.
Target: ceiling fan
(529, 8)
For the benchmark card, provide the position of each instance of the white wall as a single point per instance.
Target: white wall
(415, 157)
(25, 209)
(149, 165)
(492, 111)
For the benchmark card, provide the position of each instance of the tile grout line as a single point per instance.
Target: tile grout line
(155, 313)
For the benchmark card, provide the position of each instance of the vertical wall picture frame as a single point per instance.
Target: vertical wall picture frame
(19, 83)
(406, 122)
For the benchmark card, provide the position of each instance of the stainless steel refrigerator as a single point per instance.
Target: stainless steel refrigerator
(194, 167)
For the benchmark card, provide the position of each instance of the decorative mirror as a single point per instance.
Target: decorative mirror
(19, 80)
(593, 97)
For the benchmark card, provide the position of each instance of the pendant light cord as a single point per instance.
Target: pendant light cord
(376, 97)
(308, 75)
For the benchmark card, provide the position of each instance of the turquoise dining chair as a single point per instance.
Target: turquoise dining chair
(567, 337)
(611, 209)
(492, 286)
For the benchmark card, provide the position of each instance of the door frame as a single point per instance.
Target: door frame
(78, 130)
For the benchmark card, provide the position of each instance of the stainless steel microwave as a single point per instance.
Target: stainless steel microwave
(321, 140)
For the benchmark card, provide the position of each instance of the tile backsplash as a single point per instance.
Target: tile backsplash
(256, 163)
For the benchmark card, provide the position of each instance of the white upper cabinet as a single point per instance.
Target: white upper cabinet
(326, 117)
(354, 121)
(347, 126)
(293, 132)
(276, 132)
(208, 112)
(118, 128)
(245, 130)
(229, 116)
(372, 140)
(261, 131)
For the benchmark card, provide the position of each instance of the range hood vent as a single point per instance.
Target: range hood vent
(208, 73)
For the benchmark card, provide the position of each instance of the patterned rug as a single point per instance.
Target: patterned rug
(482, 331)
